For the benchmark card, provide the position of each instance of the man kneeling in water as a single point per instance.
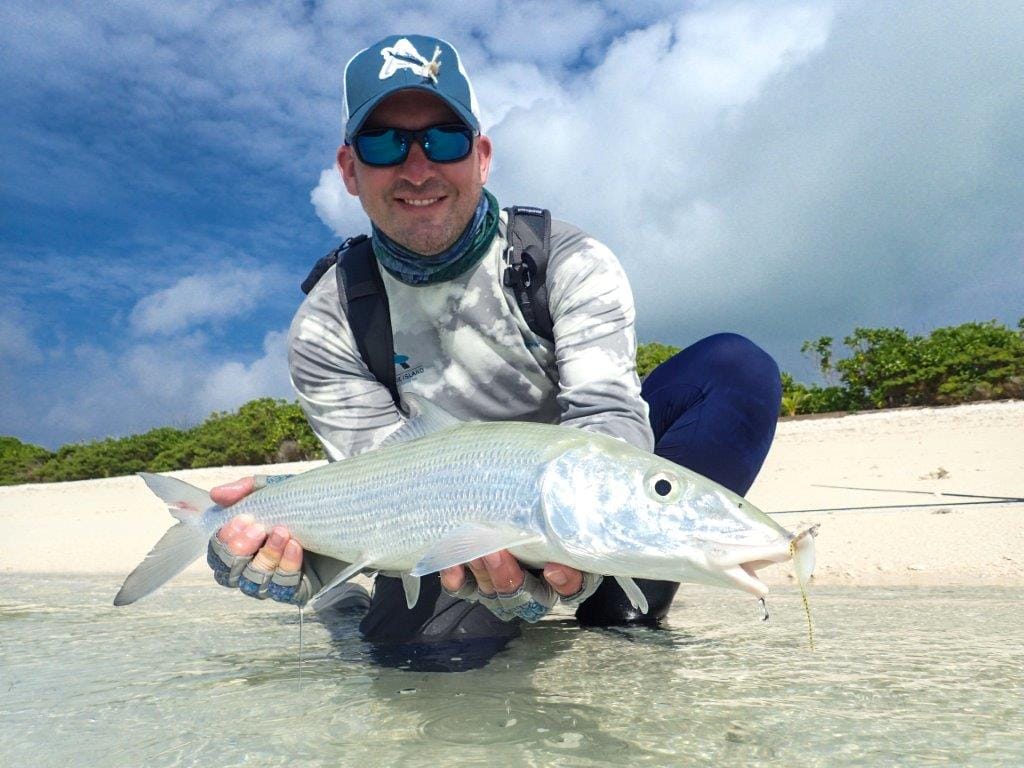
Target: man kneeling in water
(414, 155)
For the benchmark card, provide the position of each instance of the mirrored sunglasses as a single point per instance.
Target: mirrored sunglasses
(382, 147)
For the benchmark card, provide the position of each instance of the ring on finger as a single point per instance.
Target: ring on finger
(264, 562)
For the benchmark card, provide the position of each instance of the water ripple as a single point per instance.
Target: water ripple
(198, 675)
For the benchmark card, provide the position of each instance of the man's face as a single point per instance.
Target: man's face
(421, 205)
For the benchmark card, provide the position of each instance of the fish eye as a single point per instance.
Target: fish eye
(662, 486)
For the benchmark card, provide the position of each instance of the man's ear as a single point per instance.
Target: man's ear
(347, 168)
(483, 152)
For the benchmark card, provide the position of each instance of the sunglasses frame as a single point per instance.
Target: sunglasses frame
(410, 137)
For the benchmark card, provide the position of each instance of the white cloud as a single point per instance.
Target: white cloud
(637, 126)
(336, 207)
(791, 170)
(785, 170)
(16, 342)
(504, 87)
(169, 382)
(198, 299)
(235, 382)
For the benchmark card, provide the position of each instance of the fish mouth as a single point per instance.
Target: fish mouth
(742, 573)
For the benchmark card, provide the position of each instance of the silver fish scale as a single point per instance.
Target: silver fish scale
(390, 504)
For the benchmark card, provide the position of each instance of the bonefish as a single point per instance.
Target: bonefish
(441, 492)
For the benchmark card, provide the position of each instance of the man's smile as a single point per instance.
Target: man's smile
(419, 202)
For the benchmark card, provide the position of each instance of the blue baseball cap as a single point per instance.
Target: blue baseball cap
(407, 62)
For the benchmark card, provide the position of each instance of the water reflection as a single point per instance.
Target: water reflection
(443, 650)
(197, 675)
(497, 705)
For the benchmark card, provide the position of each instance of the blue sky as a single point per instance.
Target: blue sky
(785, 170)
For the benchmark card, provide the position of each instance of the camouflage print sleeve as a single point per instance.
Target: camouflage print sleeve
(595, 343)
(348, 409)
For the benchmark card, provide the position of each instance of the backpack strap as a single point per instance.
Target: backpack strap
(527, 252)
(369, 318)
(529, 246)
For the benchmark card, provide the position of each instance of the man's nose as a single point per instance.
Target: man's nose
(417, 168)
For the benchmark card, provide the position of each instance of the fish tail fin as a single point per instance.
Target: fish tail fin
(179, 547)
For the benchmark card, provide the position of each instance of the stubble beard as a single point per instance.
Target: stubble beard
(428, 238)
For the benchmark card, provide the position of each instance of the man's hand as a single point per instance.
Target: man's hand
(499, 582)
(242, 555)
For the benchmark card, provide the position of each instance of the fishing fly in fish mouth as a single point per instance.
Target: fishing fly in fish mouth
(563, 480)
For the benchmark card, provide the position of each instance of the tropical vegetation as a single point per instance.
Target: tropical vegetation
(882, 368)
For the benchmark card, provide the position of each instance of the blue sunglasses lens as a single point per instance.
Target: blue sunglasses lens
(447, 144)
(381, 147)
(390, 146)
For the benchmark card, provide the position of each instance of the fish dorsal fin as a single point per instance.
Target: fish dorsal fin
(411, 585)
(633, 593)
(426, 419)
(318, 603)
(471, 541)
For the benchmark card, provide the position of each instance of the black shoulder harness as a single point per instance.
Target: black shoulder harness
(529, 246)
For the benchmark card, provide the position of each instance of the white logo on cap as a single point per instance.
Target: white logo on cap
(403, 55)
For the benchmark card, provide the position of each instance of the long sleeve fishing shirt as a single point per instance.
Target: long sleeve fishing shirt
(464, 345)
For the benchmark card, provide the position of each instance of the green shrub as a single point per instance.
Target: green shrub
(110, 457)
(261, 432)
(649, 356)
(801, 399)
(19, 462)
(887, 367)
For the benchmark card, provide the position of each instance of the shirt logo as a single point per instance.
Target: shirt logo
(403, 55)
(406, 370)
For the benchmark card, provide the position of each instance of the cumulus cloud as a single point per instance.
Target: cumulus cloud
(336, 207)
(16, 342)
(235, 382)
(639, 127)
(181, 353)
(198, 299)
(176, 382)
(785, 170)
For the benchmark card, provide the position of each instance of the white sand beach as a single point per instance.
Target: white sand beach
(107, 526)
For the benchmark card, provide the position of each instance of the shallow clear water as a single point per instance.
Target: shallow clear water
(197, 675)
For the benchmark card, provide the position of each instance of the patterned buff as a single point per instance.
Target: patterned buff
(414, 269)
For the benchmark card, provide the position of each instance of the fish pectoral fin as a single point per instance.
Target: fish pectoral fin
(318, 603)
(471, 541)
(411, 585)
(427, 419)
(633, 593)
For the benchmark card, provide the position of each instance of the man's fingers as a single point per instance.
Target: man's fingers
(232, 493)
(233, 528)
(483, 578)
(564, 580)
(453, 578)
(505, 572)
(269, 556)
(291, 560)
(242, 536)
